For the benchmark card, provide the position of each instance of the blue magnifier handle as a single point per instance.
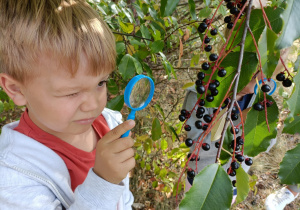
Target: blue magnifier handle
(131, 116)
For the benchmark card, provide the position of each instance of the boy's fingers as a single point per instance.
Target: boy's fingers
(118, 131)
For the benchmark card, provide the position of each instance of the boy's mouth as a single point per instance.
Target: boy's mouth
(86, 121)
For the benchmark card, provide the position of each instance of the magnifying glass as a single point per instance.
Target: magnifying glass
(138, 94)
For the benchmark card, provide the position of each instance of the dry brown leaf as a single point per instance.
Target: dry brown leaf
(186, 35)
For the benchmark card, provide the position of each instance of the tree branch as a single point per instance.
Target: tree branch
(132, 35)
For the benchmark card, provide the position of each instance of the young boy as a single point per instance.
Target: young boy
(66, 151)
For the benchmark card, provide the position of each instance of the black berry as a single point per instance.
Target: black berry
(222, 73)
(184, 112)
(212, 86)
(207, 118)
(229, 5)
(198, 82)
(198, 115)
(234, 10)
(208, 48)
(239, 140)
(227, 19)
(200, 110)
(187, 128)
(235, 165)
(198, 124)
(203, 26)
(230, 25)
(213, 57)
(227, 100)
(232, 173)
(240, 158)
(265, 88)
(206, 40)
(287, 83)
(204, 127)
(200, 89)
(280, 77)
(201, 75)
(209, 98)
(217, 144)
(258, 107)
(182, 118)
(200, 30)
(202, 102)
(214, 92)
(205, 66)
(233, 183)
(269, 103)
(205, 146)
(234, 117)
(248, 161)
(189, 142)
(213, 31)
(236, 130)
(217, 83)
(191, 174)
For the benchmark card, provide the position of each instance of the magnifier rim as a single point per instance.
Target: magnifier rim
(129, 88)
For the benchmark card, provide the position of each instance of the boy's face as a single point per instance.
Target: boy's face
(63, 105)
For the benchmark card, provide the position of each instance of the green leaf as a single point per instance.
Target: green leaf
(289, 172)
(120, 47)
(160, 110)
(163, 144)
(157, 46)
(242, 184)
(205, 12)
(129, 66)
(292, 125)
(156, 129)
(138, 10)
(293, 101)
(211, 189)
(192, 7)
(116, 103)
(269, 55)
(291, 31)
(257, 25)
(126, 27)
(170, 7)
(163, 4)
(257, 135)
(1, 107)
(112, 87)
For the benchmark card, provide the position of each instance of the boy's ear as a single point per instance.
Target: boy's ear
(12, 88)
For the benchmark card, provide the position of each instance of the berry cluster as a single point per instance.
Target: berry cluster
(234, 8)
(286, 82)
(259, 106)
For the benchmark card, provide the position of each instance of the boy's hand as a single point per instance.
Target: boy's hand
(115, 155)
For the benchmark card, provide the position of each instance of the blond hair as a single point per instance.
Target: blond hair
(66, 28)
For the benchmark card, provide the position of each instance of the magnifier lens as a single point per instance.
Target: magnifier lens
(139, 93)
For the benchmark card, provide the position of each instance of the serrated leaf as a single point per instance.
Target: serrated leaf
(293, 101)
(218, 126)
(257, 135)
(269, 55)
(116, 103)
(156, 129)
(291, 18)
(242, 184)
(129, 66)
(211, 189)
(292, 126)
(289, 172)
(157, 46)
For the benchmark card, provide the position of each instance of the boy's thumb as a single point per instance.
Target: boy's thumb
(118, 131)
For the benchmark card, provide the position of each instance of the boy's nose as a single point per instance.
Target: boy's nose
(91, 102)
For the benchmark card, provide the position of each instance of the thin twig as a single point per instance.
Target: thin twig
(132, 35)
(239, 68)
